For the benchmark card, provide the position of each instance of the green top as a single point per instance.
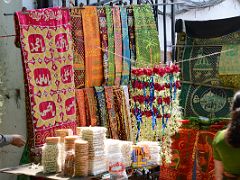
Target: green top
(229, 156)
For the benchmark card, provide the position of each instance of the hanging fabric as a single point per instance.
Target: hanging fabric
(204, 155)
(131, 28)
(113, 130)
(91, 107)
(81, 107)
(78, 48)
(120, 113)
(128, 116)
(183, 154)
(229, 65)
(202, 100)
(126, 65)
(101, 104)
(146, 34)
(118, 44)
(93, 57)
(110, 32)
(104, 41)
(48, 67)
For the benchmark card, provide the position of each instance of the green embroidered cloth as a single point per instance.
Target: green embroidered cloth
(229, 65)
(146, 34)
(110, 31)
(203, 93)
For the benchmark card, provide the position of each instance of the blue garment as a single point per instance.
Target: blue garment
(126, 48)
(5, 140)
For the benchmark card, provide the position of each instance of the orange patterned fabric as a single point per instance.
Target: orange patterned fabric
(118, 44)
(78, 48)
(93, 57)
(121, 115)
(48, 68)
(204, 155)
(113, 125)
(81, 108)
(183, 155)
(91, 107)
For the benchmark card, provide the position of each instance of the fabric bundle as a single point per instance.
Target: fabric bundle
(48, 67)
(101, 105)
(82, 121)
(121, 115)
(110, 32)
(91, 107)
(132, 43)
(78, 48)
(113, 127)
(146, 36)
(118, 44)
(126, 64)
(93, 58)
(104, 41)
(128, 120)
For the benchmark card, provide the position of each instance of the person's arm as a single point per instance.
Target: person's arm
(14, 139)
(218, 169)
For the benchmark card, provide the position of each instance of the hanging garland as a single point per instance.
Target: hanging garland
(154, 104)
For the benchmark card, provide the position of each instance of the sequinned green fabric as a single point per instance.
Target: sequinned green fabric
(203, 93)
(110, 31)
(229, 65)
(146, 36)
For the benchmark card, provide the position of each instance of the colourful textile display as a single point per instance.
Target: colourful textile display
(91, 107)
(129, 121)
(118, 44)
(93, 57)
(81, 107)
(48, 67)
(101, 104)
(146, 36)
(113, 131)
(202, 91)
(78, 48)
(121, 116)
(183, 155)
(131, 36)
(104, 41)
(111, 49)
(126, 65)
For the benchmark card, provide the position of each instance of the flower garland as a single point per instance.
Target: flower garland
(154, 104)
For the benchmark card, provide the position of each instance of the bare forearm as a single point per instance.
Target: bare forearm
(5, 140)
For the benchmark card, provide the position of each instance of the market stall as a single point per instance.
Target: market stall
(98, 99)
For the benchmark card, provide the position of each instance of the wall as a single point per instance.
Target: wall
(14, 121)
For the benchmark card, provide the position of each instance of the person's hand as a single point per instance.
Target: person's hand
(17, 140)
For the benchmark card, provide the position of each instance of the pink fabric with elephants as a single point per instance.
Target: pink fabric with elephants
(46, 45)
